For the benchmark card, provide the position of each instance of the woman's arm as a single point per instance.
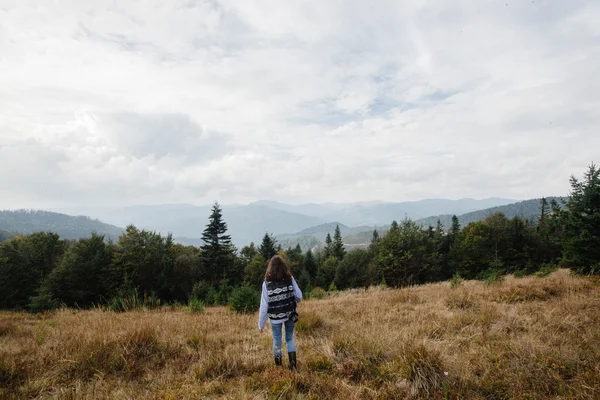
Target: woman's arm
(264, 307)
(297, 291)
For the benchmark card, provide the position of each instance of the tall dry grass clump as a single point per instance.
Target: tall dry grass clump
(526, 338)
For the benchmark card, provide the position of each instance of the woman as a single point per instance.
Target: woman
(280, 293)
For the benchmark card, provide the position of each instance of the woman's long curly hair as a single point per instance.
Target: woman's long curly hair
(277, 270)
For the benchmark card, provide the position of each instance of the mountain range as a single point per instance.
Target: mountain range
(249, 223)
(306, 224)
(67, 226)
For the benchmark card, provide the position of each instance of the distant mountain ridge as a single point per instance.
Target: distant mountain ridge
(249, 223)
(67, 226)
(4, 235)
(529, 209)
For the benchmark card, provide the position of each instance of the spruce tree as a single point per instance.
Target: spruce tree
(439, 229)
(581, 243)
(338, 250)
(375, 237)
(328, 246)
(268, 248)
(216, 250)
(310, 264)
(543, 209)
(455, 226)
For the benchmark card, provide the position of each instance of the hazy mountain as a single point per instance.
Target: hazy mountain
(4, 235)
(379, 213)
(385, 213)
(362, 235)
(187, 222)
(529, 209)
(312, 236)
(248, 223)
(67, 226)
(325, 210)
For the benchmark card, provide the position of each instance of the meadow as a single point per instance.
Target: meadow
(517, 338)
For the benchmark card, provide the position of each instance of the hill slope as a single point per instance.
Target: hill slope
(248, 223)
(4, 235)
(529, 209)
(362, 235)
(385, 213)
(67, 226)
(522, 338)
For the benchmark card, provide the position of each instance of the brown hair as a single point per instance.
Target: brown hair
(277, 270)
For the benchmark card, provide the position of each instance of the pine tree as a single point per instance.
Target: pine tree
(310, 264)
(581, 243)
(338, 250)
(543, 209)
(455, 226)
(216, 250)
(439, 229)
(268, 248)
(375, 237)
(328, 246)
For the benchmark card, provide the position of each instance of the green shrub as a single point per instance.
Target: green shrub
(196, 306)
(545, 270)
(317, 293)
(383, 283)
(127, 300)
(221, 296)
(332, 287)
(203, 291)
(456, 280)
(494, 277)
(244, 300)
(42, 302)
(494, 274)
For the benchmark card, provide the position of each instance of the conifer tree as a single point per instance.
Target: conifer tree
(217, 250)
(581, 243)
(328, 246)
(268, 248)
(455, 226)
(338, 250)
(375, 237)
(310, 264)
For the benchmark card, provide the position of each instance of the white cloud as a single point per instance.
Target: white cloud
(191, 101)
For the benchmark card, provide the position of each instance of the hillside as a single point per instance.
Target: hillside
(362, 235)
(529, 209)
(384, 213)
(534, 338)
(68, 227)
(5, 235)
(186, 222)
(248, 223)
(311, 237)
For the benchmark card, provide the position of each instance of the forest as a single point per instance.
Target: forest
(42, 271)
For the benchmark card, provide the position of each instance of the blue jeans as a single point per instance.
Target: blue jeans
(289, 337)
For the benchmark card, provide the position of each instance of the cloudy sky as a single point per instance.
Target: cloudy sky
(151, 102)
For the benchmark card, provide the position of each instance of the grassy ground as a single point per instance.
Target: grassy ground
(526, 338)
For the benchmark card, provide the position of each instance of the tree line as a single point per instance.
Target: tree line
(41, 271)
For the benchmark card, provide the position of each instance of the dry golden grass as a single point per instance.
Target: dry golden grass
(529, 338)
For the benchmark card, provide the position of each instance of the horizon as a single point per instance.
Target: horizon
(265, 202)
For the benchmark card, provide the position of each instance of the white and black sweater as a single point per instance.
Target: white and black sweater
(278, 300)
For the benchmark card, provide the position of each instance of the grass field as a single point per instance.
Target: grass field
(523, 338)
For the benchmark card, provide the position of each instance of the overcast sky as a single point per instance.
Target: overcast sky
(151, 102)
